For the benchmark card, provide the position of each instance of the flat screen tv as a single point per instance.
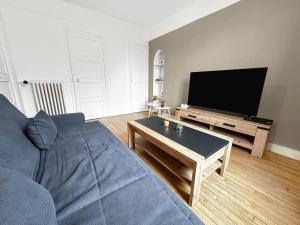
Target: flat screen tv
(236, 91)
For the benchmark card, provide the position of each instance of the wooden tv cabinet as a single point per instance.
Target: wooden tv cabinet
(247, 134)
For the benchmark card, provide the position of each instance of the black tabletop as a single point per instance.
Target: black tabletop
(197, 141)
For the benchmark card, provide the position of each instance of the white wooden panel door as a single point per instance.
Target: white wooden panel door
(5, 87)
(138, 77)
(90, 97)
(88, 73)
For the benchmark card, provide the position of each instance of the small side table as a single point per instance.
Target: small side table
(164, 110)
(152, 107)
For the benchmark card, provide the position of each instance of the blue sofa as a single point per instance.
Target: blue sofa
(87, 177)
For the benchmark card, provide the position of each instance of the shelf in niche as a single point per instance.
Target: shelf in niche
(158, 73)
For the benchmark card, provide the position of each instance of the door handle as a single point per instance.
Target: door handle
(192, 116)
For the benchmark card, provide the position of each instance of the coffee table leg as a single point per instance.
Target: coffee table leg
(131, 137)
(226, 158)
(149, 111)
(196, 182)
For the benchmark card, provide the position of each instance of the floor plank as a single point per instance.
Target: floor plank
(253, 191)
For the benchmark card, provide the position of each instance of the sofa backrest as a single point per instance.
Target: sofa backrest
(17, 153)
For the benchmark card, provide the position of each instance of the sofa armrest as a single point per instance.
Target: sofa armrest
(70, 119)
(24, 201)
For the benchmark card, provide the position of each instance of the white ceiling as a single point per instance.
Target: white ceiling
(140, 12)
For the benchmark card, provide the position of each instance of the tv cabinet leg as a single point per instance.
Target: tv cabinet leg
(177, 116)
(260, 142)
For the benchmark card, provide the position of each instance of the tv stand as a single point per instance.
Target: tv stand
(247, 134)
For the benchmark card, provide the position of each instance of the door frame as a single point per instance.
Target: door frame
(131, 45)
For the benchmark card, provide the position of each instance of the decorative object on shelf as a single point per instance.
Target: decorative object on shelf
(156, 99)
(162, 103)
(184, 106)
(179, 128)
(166, 123)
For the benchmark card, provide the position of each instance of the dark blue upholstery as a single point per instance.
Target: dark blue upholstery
(41, 130)
(70, 119)
(95, 179)
(23, 201)
(16, 150)
(94, 173)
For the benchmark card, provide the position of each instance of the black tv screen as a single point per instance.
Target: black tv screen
(236, 91)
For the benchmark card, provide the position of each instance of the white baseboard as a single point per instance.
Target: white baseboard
(282, 150)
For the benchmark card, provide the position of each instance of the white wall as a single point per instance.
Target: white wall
(36, 34)
(193, 12)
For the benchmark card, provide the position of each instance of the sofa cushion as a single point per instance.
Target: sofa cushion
(24, 201)
(16, 152)
(41, 130)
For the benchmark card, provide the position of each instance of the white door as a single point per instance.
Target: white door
(88, 73)
(5, 87)
(138, 77)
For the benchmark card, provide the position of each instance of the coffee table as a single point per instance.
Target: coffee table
(191, 155)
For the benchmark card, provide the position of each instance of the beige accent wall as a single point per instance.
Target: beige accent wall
(251, 33)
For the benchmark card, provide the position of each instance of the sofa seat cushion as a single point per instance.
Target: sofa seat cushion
(92, 176)
(17, 153)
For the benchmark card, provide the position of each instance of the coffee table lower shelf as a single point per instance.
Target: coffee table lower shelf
(180, 170)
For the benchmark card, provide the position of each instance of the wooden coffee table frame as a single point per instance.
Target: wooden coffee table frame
(201, 167)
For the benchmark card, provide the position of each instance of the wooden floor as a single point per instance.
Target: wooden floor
(253, 191)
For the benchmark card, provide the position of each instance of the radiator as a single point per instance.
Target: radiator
(48, 96)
